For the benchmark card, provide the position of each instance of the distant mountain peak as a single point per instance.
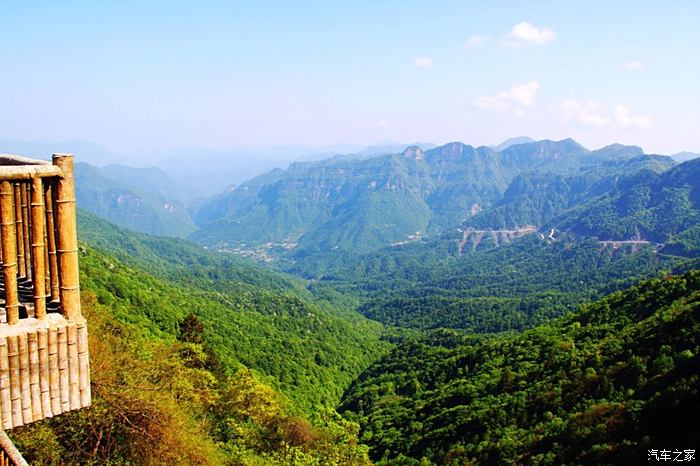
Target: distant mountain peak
(413, 152)
(619, 150)
(512, 142)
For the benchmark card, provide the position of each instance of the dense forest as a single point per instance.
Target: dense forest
(489, 290)
(601, 386)
(252, 317)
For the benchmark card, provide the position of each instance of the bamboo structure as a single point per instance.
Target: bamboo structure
(44, 355)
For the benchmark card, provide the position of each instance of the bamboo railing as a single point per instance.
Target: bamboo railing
(44, 366)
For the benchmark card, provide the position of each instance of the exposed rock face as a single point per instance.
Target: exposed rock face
(413, 152)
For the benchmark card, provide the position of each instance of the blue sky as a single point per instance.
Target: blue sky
(159, 76)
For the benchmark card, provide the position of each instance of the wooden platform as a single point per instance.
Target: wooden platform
(44, 369)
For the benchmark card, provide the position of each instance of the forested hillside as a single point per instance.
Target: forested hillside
(201, 358)
(167, 398)
(511, 287)
(618, 377)
(657, 207)
(252, 317)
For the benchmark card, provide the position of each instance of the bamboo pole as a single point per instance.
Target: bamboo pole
(38, 248)
(73, 366)
(54, 377)
(10, 451)
(24, 380)
(19, 231)
(34, 375)
(47, 270)
(15, 384)
(67, 238)
(9, 251)
(5, 398)
(25, 231)
(21, 173)
(44, 378)
(84, 361)
(51, 243)
(63, 376)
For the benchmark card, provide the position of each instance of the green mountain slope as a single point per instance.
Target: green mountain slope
(253, 317)
(118, 195)
(657, 207)
(599, 387)
(536, 198)
(161, 393)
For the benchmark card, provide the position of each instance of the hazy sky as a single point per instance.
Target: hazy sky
(156, 76)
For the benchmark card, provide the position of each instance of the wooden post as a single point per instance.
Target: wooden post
(25, 231)
(19, 231)
(38, 248)
(67, 238)
(9, 251)
(51, 243)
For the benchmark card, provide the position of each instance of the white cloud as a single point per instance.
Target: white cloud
(524, 94)
(525, 33)
(633, 65)
(588, 114)
(593, 114)
(476, 40)
(424, 62)
(625, 119)
(382, 123)
(511, 100)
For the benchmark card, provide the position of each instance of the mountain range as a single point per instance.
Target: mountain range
(365, 204)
